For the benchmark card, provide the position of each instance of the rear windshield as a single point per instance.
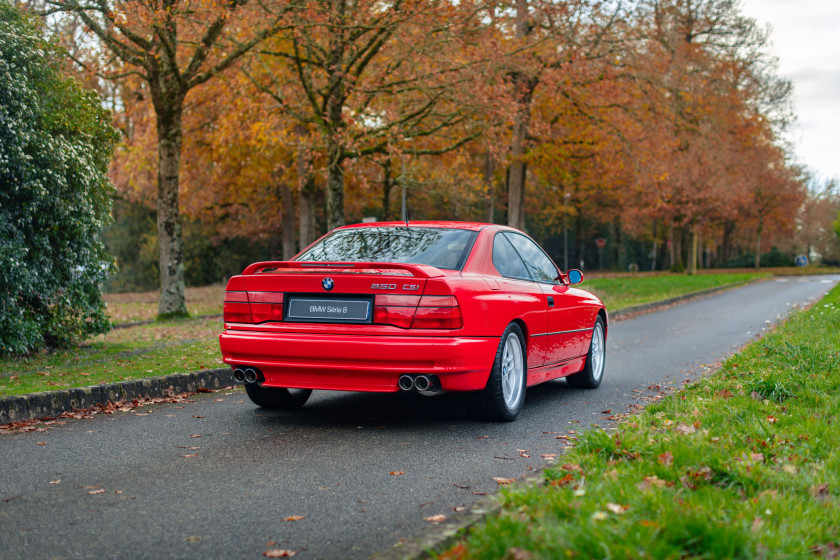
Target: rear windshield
(443, 248)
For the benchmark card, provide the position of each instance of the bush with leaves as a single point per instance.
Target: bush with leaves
(56, 142)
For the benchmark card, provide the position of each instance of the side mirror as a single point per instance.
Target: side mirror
(575, 276)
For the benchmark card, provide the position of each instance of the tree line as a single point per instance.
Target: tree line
(655, 125)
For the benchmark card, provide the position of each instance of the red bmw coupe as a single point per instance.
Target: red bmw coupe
(424, 306)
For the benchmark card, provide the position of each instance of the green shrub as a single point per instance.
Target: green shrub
(56, 142)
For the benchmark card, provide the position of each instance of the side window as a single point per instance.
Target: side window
(507, 260)
(539, 265)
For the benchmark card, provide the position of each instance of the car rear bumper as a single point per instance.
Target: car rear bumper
(360, 362)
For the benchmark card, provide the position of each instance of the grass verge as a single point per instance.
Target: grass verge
(625, 291)
(739, 465)
(158, 348)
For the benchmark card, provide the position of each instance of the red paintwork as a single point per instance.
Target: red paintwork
(371, 357)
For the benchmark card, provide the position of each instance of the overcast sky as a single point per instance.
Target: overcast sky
(806, 39)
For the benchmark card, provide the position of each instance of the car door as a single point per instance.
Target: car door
(518, 285)
(565, 326)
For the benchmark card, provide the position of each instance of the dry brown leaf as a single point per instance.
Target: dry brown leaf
(189, 456)
(100, 491)
(617, 508)
(294, 518)
(397, 473)
(55, 481)
(195, 435)
(41, 443)
(651, 482)
(684, 429)
(435, 518)
(502, 481)
(666, 458)
(279, 553)
(549, 456)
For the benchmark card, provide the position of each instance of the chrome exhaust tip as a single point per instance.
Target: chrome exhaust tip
(422, 382)
(239, 375)
(250, 375)
(406, 382)
(428, 385)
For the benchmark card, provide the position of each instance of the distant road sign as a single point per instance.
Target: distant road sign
(600, 242)
(801, 260)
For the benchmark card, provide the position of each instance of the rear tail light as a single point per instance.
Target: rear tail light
(394, 310)
(236, 308)
(438, 312)
(252, 307)
(416, 312)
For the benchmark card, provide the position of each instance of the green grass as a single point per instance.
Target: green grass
(149, 350)
(625, 291)
(742, 464)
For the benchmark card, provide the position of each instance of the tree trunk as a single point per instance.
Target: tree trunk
(758, 244)
(692, 252)
(726, 242)
(335, 185)
(306, 192)
(172, 286)
(524, 87)
(288, 221)
(387, 186)
(488, 182)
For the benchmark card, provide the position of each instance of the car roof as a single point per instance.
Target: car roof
(471, 226)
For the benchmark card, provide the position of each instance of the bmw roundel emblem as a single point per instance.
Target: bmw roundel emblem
(327, 283)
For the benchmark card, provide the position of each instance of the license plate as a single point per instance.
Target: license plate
(328, 310)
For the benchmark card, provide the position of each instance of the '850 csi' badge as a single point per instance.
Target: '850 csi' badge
(327, 283)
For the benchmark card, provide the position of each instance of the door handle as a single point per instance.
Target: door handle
(550, 301)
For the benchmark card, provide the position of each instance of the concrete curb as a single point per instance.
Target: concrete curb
(33, 406)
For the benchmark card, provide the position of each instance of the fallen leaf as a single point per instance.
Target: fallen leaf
(397, 473)
(684, 429)
(294, 518)
(279, 553)
(666, 458)
(459, 508)
(617, 508)
(41, 443)
(189, 456)
(100, 491)
(197, 416)
(524, 453)
(820, 492)
(608, 411)
(55, 481)
(651, 482)
(757, 457)
(549, 456)
(218, 400)
(502, 481)
(598, 515)
(193, 538)
(196, 435)
(435, 518)
(771, 419)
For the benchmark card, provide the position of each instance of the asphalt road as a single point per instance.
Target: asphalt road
(220, 478)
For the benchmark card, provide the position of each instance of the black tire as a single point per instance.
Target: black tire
(593, 371)
(277, 398)
(503, 397)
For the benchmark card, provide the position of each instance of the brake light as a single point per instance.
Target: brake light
(394, 310)
(236, 308)
(438, 312)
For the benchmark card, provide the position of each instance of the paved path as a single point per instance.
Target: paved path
(215, 478)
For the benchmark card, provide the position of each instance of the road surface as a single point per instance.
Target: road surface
(347, 476)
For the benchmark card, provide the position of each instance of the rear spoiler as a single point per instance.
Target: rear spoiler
(417, 270)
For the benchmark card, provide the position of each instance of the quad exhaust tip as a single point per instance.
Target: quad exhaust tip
(246, 375)
(406, 382)
(427, 385)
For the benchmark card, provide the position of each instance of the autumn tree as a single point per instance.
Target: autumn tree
(367, 78)
(173, 47)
